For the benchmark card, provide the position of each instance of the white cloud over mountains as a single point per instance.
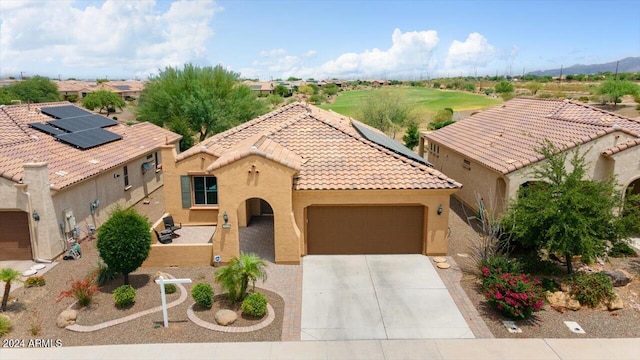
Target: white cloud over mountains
(132, 35)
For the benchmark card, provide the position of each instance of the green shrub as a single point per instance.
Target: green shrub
(103, 275)
(531, 263)
(202, 294)
(255, 305)
(583, 99)
(170, 288)
(275, 99)
(5, 326)
(124, 296)
(317, 99)
(618, 250)
(33, 281)
(515, 295)
(591, 289)
(545, 96)
(550, 285)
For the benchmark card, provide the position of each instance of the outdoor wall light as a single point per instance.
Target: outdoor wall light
(93, 206)
(226, 224)
(35, 215)
(440, 209)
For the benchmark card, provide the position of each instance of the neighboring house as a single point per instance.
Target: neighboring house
(58, 182)
(331, 184)
(126, 89)
(68, 88)
(492, 152)
(376, 83)
(261, 87)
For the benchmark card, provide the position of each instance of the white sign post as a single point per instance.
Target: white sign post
(161, 281)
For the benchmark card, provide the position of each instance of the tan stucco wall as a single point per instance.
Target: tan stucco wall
(269, 181)
(48, 238)
(477, 182)
(481, 181)
(435, 234)
(627, 166)
(163, 255)
(171, 170)
(598, 166)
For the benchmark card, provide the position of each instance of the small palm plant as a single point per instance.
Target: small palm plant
(8, 275)
(235, 277)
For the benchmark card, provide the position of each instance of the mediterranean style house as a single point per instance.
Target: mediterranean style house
(491, 152)
(330, 184)
(63, 168)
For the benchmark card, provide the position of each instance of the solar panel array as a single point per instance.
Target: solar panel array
(122, 87)
(88, 139)
(389, 143)
(77, 127)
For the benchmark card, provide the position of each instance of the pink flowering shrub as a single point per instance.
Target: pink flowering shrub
(514, 295)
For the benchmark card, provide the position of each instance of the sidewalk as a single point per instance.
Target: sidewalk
(472, 349)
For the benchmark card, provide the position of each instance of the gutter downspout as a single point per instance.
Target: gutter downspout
(32, 232)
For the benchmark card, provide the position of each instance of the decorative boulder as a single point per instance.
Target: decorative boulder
(560, 299)
(615, 304)
(618, 277)
(225, 317)
(66, 318)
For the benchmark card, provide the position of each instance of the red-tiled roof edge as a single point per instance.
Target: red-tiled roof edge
(290, 159)
(211, 141)
(408, 161)
(605, 112)
(18, 124)
(621, 147)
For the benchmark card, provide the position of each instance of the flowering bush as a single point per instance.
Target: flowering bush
(515, 295)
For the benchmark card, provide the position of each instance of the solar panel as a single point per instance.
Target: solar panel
(122, 87)
(88, 138)
(82, 123)
(47, 129)
(62, 112)
(388, 143)
(255, 87)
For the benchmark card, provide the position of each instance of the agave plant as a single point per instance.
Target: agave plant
(235, 277)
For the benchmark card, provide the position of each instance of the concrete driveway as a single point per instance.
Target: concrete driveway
(352, 297)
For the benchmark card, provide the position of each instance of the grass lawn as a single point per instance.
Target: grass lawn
(423, 101)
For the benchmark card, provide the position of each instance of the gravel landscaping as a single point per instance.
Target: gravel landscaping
(548, 323)
(37, 305)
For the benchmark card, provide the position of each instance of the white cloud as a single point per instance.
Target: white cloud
(310, 53)
(475, 51)
(133, 36)
(273, 53)
(410, 52)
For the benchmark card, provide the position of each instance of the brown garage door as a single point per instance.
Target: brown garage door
(364, 230)
(15, 243)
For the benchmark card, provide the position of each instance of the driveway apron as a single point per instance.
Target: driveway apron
(354, 297)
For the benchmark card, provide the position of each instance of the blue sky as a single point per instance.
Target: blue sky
(320, 39)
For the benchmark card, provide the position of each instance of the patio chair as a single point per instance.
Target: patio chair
(170, 225)
(163, 239)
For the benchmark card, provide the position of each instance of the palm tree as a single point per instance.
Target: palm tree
(235, 277)
(8, 275)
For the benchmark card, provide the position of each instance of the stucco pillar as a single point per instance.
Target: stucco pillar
(47, 243)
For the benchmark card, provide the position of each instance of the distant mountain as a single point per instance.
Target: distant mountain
(630, 64)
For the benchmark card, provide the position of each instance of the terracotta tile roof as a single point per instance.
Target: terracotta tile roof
(73, 85)
(505, 138)
(66, 164)
(621, 147)
(328, 152)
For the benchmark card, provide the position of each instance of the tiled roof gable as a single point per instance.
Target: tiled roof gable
(506, 138)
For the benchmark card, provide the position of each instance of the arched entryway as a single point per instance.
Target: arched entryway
(258, 236)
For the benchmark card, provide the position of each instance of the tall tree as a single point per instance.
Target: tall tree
(565, 213)
(35, 90)
(103, 100)
(412, 137)
(198, 100)
(124, 241)
(614, 90)
(385, 111)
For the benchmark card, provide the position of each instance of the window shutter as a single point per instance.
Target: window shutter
(185, 184)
